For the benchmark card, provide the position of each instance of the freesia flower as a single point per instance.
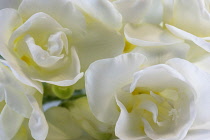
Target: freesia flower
(45, 41)
(165, 101)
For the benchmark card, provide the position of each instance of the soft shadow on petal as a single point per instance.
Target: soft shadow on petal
(149, 35)
(103, 10)
(103, 80)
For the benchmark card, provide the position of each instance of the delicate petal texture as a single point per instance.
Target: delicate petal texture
(197, 13)
(160, 78)
(115, 72)
(61, 125)
(155, 12)
(198, 134)
(204, 64)
(185, 35)
(39, 26)
(168, 10)
(18, 71)
(10, 122)
(133, 11)
(65, 13)
(80, 111)
(23, 133)
(37, 123)
(14, 92)
(9, 4)
(160, 54)
(103, 10)
(40, 56)
(149, 35)
(126, 127)
(68, 76)
(98, 42)
(200, 82)
(10, 20)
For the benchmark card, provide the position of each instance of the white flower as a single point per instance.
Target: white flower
(18, 103)
(161, 102)
(45, 41)
(75, 122)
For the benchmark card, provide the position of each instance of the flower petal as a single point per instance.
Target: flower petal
(14, 92)
(188, 36)
(154, 14)
(66, 14)
(149, 35)
(10, 20)
(133, 11)
(200, 82)
(195, 19)
(103, 10)
(203, 64)
(40, 56)
(160, 54)
(115, 72)
(62, 125)
(127, 126)
(17, 70)
(98, 42)
(10, 123)
(68, 76)
(194, 134)
(37, 122)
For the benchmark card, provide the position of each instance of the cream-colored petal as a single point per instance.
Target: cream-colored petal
(199, 80)
(188, 36)
(37, 122)
(10, 19)
(102, 10)
(104, 78)
(65, 13)
(195, 19)
(160, 54)
(133, 11)
(98, 42)
(18, 71)
(40, 56)
(67, 76)
(10, 122)
(149, 35)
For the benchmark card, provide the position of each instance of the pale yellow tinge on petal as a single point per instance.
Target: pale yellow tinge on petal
(26, 59)
(128, 47)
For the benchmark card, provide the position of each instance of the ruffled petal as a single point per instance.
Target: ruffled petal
(66, 13)
(199, 80)
(37, 122)
(103, 78)
(188, 36)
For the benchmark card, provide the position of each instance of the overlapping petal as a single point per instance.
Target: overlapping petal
(115, 72)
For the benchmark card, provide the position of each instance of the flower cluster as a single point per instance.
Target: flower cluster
(104, 69)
